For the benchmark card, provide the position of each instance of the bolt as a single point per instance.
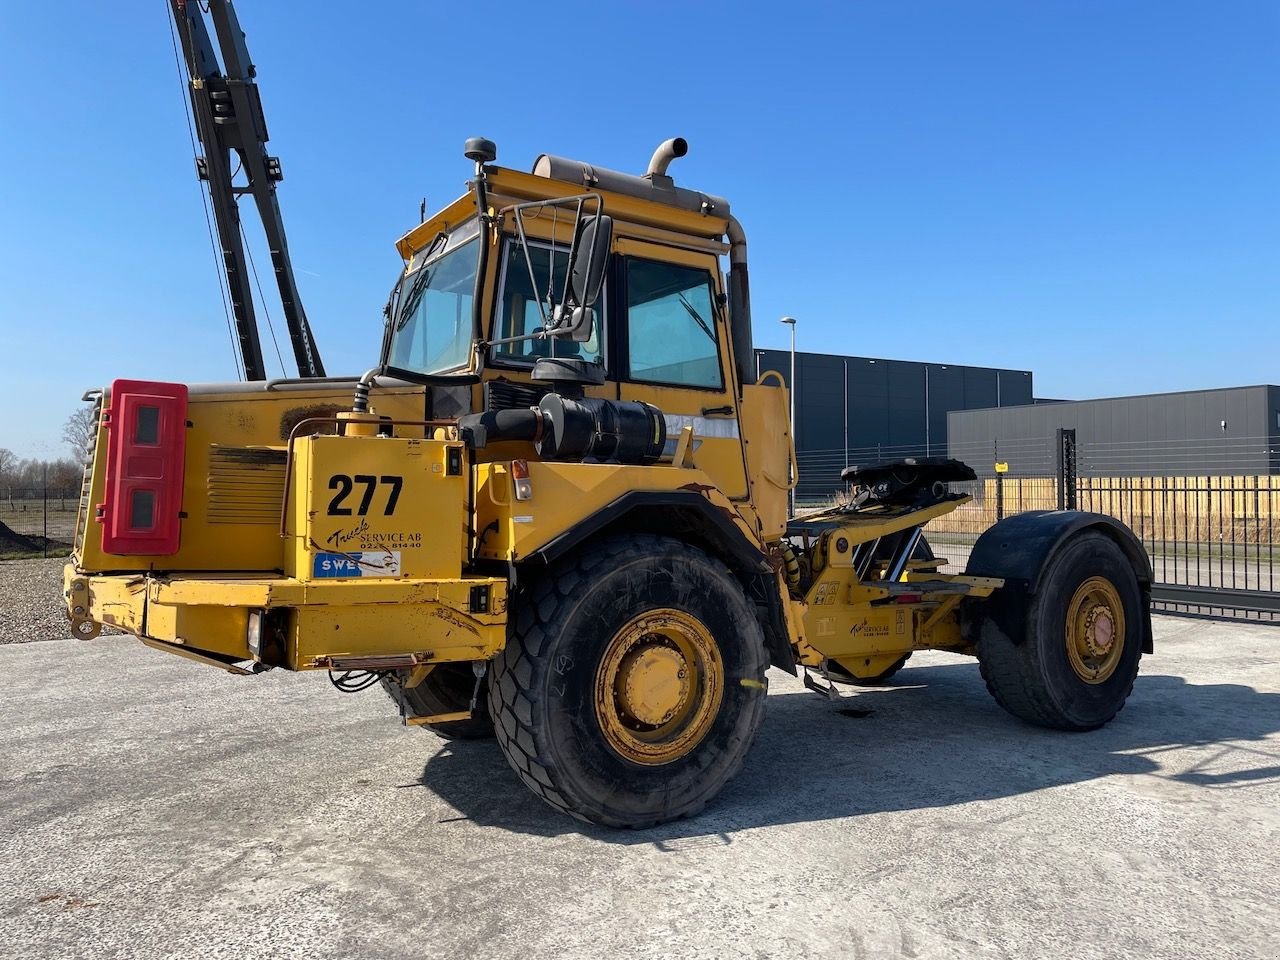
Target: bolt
(77, 584)
(680, 674)
(78, 611)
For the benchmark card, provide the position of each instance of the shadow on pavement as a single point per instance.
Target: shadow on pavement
(936, 739)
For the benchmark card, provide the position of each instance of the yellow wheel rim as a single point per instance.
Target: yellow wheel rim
(659, 686)
(1095, 630)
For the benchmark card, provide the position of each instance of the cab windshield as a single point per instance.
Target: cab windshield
(431, 311)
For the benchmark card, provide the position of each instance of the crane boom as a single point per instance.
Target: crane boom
(227, 107)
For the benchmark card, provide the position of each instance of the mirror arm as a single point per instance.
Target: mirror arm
(520, 339)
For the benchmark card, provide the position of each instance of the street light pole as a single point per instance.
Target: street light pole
(791, 391)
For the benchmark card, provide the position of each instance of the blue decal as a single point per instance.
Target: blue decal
(336, 565)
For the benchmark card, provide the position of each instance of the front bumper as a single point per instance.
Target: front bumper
(394, 622)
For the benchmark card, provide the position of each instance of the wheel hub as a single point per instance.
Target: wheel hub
(659, 686)
(653, 683)
(1095, 630)
(1099, 631)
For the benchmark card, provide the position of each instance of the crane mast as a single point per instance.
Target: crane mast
(227, 107)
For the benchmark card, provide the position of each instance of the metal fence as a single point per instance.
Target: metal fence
(1211, 535)
(37, 521)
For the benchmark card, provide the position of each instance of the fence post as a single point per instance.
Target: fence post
(1066, 464)
(995, 458)
(44, 508)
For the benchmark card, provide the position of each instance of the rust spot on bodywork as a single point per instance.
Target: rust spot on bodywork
(295, 415)
(251, 457)
(455, 619)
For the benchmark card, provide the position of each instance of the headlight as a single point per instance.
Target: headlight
(254, 633)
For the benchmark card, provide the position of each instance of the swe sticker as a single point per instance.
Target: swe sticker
(360, 563)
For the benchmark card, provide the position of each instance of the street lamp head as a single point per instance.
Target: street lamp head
(788, 320)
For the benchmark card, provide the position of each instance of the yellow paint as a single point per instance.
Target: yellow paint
(566, 493)
(232, 504)
(763, 418)
(659, 686)
(401, 512)
(1095, 630)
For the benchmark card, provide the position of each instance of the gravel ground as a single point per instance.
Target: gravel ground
(31, 605)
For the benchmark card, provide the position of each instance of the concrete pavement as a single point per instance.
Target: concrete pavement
(156, 808)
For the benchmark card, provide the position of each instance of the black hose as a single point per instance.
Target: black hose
(361, 402)
(477, 314)
(492, 426)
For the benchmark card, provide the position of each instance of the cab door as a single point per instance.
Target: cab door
(671, 350)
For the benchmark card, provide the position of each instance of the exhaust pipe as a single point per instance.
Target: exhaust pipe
(740, 303)
(667, 151)
(655, 185)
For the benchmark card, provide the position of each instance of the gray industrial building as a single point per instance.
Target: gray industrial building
(856, 409)
(1235, 430)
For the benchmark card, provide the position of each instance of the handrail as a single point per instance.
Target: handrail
(794, 462)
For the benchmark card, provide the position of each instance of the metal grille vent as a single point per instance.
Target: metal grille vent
(504, 395)
(246, 484)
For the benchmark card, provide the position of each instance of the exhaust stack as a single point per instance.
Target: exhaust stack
(655, 185)
(667, 151)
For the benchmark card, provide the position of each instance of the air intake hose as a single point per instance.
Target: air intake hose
(481, 429)
(626, 431)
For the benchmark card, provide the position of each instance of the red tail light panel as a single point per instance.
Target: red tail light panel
(146, 453)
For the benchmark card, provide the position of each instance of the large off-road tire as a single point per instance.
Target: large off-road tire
(447, 689)
(633, 682)
(1075, 664)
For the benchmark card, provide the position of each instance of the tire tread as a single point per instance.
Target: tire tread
(512, 698)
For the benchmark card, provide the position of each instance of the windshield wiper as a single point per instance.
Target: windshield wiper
(419, 285)
(697, 318)
(413, 296)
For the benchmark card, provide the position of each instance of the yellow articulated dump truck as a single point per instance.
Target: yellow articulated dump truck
(555, 513)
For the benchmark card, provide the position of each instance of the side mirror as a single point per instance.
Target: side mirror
(573, 322)
(590, 253)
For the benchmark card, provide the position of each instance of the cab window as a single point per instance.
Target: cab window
(671, 325)
(518, 307)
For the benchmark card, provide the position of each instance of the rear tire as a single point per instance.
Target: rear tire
(632, 684)
(447, 689)
(1074, 667)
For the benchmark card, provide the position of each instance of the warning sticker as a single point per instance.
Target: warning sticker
(363, 563)
(826, 593)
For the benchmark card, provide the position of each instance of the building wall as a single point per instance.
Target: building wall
(1273, 415)
(859, 409)
(1228, 431)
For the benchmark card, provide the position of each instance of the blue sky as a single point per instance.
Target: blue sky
(1088, 190)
